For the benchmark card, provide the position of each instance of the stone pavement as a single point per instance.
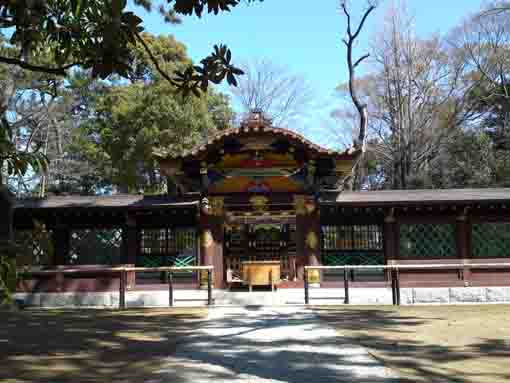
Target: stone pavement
(270, 344)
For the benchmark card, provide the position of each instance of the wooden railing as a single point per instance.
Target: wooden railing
(394, 271)
(122, 271)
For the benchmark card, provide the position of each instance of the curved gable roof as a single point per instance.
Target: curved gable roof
(257, 124)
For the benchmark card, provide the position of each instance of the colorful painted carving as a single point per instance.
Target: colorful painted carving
(258, 187)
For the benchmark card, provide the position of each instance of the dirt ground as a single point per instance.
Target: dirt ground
(90, 345)
(432, 343)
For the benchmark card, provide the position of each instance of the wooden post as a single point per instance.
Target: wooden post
(170, 289)
(307, 296)
(393, 287)
(346, 286)
(209, 287)
(397, 286)
(122, 290)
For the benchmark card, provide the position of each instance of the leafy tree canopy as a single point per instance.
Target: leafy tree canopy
(125, 124)
(102, 35)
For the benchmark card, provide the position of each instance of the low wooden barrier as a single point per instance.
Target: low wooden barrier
(394, 272)
(122, 271)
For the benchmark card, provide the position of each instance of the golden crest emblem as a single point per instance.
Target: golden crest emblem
(311, 240)
(216, 206)
(207, 238)
(299, 205)
(259, 203)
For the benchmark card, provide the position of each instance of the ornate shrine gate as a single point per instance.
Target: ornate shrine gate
(258, 186)
(261, 242)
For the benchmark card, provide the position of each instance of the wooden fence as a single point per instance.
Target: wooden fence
(394, 272)
(122, 271)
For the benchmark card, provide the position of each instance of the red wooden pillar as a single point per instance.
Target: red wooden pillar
(391, 237)
(300, 259)
(211, 241)
(313, 241)
(463, 244)
(6, 207)
(390, 233)
(61, 243)
(6, 231)
(308, 233)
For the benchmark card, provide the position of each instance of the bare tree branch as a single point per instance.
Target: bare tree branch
(274, 90)
(349, 41)
(36, 68)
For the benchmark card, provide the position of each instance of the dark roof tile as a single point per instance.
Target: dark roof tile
(115, 201)
(416, 197)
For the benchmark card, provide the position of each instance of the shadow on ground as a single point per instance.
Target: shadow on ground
(172, 346)
(461, 344)
(90, 345)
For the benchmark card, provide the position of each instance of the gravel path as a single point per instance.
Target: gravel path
(270, 344)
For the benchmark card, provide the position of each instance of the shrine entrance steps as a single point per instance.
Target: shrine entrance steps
(257, 297)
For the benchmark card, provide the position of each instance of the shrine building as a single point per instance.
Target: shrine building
(260, 194)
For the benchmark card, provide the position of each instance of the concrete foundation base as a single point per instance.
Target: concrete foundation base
(318, 296)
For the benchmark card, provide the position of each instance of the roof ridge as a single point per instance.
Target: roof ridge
(247, 128)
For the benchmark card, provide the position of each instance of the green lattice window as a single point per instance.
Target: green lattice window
(352, 237)
(491, 239)
(427, 240)
(352, 245)
(167, 247)
(340, 258)
(34, 249)
(95, 247)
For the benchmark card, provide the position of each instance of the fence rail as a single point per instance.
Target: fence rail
(394, 271)
(122, 271)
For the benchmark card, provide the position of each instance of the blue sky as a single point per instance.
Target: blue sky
(306, 40)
